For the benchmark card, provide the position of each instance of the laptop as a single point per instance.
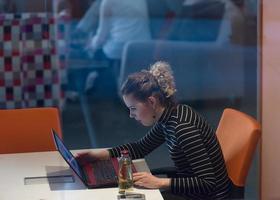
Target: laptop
(99, 174)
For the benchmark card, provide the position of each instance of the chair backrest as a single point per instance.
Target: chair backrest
(201, 70)
(238, 134)
(28, 130)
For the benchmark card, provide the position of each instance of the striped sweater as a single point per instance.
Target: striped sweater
(194, 149)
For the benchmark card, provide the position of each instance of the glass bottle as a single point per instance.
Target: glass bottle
(125, 173)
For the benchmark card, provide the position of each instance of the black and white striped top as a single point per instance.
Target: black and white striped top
(193, 147)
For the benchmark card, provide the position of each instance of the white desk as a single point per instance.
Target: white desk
(15, 167)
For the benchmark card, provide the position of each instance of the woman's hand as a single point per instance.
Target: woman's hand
(91, 156)
(147, 180)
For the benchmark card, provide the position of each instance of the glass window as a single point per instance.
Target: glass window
(75, 55)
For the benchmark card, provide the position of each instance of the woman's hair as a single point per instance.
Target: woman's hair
(158, 82)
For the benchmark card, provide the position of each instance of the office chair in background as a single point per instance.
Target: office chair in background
(238, 135)
(28, 129)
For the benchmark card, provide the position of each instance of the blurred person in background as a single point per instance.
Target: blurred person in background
(106, 27)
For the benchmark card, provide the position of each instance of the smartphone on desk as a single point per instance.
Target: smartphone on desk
(131, 196)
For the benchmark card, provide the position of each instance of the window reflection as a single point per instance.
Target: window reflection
(75, 54)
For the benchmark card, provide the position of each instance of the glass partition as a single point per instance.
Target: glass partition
(75, 55)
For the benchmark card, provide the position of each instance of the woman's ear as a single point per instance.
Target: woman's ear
(152, 101)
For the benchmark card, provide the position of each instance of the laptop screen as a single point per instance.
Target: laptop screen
(67, 155)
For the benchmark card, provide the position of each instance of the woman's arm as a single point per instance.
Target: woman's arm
(139, 149)
(147, 180)
(104, 25)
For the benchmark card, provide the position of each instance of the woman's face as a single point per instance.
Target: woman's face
(140, 111)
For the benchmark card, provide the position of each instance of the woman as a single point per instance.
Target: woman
(192, 143)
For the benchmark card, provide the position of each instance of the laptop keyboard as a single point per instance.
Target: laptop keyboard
(104, 172)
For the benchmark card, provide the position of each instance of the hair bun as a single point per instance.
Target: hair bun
(164, 76)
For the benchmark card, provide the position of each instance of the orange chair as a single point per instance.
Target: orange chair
(28, 130)
(238, 134)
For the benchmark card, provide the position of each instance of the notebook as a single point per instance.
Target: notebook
(99, 174)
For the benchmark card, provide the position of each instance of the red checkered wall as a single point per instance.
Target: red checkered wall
(31, 65)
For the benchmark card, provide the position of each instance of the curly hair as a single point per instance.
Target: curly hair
(158, 82)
